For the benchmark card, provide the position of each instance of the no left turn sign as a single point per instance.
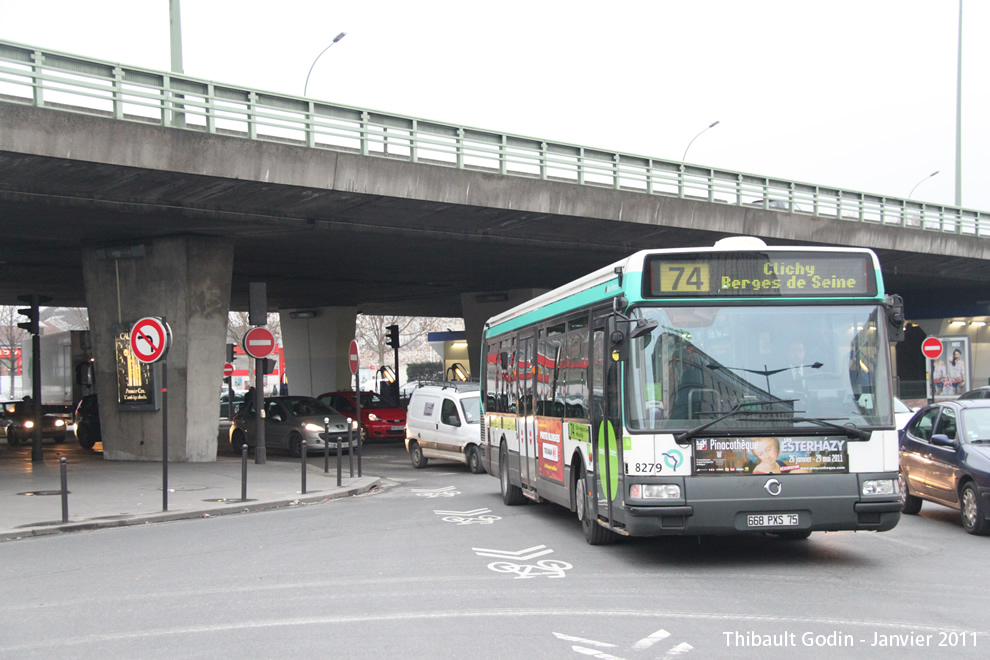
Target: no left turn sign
(150, 339)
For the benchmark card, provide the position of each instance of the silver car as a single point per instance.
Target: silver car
(288, 421)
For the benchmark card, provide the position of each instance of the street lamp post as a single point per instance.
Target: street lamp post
(335, 40)
(921, 182)
(711, 125)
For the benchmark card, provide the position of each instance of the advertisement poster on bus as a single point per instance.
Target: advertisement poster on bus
(551, 449)
(799, 455)
(948, 374)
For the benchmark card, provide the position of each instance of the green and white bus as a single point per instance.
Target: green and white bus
(734, 389)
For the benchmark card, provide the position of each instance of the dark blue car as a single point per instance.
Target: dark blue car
(945, 458)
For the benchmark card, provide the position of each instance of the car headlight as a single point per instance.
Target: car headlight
(881, 487)
(310, 426)
(372, 417)
(29, 424)
(655, 491)
(59, 422)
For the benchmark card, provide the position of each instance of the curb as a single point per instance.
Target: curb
(366, 484)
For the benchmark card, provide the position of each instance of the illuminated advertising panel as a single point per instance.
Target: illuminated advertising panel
(136, 380)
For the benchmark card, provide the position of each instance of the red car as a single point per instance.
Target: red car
(380, 417)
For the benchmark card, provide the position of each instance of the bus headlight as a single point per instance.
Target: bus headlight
(655, 491)
(881, 487)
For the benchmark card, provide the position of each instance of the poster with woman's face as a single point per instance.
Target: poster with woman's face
(948, 376)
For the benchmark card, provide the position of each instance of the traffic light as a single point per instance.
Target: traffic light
(31, 325)
(269, 365)
(230, 353)
(392, 338)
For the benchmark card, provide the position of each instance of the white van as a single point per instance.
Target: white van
(443, 421)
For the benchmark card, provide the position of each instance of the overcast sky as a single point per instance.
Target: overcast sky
(859, 94)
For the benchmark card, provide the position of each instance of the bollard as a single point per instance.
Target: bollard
(360, 436)
(348, 449)
(244, 450)
(326, 445)
(302, 466)
(65, 492)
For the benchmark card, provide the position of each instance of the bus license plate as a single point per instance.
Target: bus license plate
(772, 520)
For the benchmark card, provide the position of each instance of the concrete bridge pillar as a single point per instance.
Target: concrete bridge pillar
(315, 342)
(186, 280)
(478, 307)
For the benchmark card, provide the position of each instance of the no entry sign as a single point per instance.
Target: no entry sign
(228, 370)
(150, 339)
(931, 348)
(352, 357)
(259, 342)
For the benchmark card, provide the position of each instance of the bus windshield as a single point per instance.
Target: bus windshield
(823, 362)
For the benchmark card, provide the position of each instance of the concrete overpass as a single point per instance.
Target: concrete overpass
(349, 210)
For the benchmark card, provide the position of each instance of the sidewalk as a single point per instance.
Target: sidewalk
(115, 493)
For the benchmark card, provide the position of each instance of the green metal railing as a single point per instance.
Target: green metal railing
(70, 83)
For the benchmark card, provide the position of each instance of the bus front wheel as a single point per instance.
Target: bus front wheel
(594, 533)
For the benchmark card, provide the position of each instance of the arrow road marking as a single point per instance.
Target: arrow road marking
(528, 553)
(447, 491)
(462, 513)
(647, 642)
(592, 642)
(680, 649)
(595, 654)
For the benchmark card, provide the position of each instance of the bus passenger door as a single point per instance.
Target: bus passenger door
(605, 425)
(527, 412)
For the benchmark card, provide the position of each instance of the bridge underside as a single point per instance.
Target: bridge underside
(327, 228)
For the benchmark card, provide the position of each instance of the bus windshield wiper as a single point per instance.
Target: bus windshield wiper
(743, 408)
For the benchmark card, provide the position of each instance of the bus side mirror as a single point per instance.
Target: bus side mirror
(894, 307)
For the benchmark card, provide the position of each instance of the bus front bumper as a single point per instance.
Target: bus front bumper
(740, 505)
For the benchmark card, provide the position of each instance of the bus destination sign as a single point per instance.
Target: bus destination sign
(761, 274)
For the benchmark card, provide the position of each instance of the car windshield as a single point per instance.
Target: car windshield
(372, 400)
(472, 409)
(305, 407)
(800, 362)
(976, 424)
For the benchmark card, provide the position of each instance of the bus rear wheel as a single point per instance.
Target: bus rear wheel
(511, 495)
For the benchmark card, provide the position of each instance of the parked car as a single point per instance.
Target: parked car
(902, 413)
(380, 418)
(444, 422)
(288, 421)
(225, 404)
(982, 392)
(945, 458)
(17, 422)
(87, 422)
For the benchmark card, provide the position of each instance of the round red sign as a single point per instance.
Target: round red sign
(931, 348)
(259, 342)
(352, 357)
(150, 339)
(228, 370)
